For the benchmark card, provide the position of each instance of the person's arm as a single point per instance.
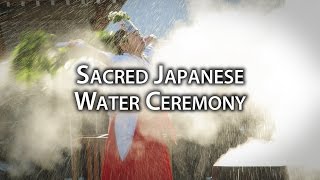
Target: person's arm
(81, 48)
(151, 39)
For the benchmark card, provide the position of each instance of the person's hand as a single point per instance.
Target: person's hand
(76, 43)
(150, 39)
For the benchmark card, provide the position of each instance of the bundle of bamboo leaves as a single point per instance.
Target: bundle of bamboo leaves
(35, 55)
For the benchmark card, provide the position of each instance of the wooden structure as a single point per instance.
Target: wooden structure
(65, 18)
(87, 161)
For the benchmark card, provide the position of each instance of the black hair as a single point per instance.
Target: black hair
(117, 38)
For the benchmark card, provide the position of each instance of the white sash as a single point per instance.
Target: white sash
(125, 125)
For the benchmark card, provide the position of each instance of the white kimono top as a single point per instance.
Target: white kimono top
(125, 122)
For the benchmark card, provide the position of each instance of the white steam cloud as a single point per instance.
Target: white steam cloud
(278, 50)
(40, 123)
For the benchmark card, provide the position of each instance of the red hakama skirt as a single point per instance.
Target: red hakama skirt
(148, 157)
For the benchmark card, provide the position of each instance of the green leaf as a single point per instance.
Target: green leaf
(117, 16)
